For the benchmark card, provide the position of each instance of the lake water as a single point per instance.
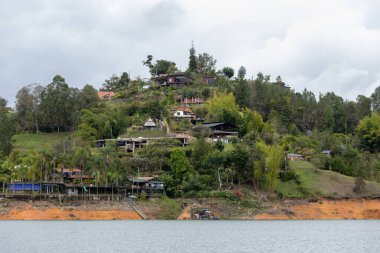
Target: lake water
(190, 236)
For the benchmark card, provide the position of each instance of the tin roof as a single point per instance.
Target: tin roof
(150, 123)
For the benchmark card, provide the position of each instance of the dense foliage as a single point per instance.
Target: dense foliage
(272, 120)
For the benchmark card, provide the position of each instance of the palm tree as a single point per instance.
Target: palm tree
(5, 171)
(114, 178)
(82, 158)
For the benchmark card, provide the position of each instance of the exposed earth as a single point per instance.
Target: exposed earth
(281, 210)
(324, 209)
(43, 210)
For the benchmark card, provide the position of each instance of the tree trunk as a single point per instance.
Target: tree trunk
(36, 124)
(219, 178)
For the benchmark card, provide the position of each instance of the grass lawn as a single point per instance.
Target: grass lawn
(312, 181)
(31, 141)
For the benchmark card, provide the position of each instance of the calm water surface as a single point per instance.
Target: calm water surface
(190, 236)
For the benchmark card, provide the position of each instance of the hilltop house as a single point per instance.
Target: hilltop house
(210, 80)
(174, 80)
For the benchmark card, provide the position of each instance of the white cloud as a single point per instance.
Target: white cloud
(320, 45)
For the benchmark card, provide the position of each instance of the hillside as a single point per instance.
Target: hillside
(30, 141)
(311, 181)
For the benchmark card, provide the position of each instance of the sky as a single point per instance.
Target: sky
(319, 45)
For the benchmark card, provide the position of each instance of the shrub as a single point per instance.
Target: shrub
(290, 175)
(170, 209)
(248, 203)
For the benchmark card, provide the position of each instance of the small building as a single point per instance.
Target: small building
(151, 186)
(224, 136)
(71, 175)
(35, 187)
(183, 113)
(210, 80)
(174, 80)
(220, 126)
(150, 125)
(100, 143)
(326, 152)
(192, 101)
(106, 95)
(295, 157)
(225, 132)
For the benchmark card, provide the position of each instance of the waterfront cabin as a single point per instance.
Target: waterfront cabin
(71, 175)
(151, 186)
(35, 187)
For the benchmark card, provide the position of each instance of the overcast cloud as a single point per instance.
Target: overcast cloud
(320, 45)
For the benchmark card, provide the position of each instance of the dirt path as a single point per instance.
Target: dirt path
(325, 209)
(186, 214)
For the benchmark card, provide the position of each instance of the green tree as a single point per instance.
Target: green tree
(375, 98)
(363, 105)
(251, 122)
(181, 169)
(56, 105)
(241, 72)
(7, 129)
(28, 101)
(82, 158)
(206, 64)
(200, 151)
(368, 131)
(192, 59)
(242, 93)
(222, 107)
(88, 97)
(160, 67)
(273, 167)
(228, 72)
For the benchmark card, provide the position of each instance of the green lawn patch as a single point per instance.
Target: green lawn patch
(38, 142)
(316, 182)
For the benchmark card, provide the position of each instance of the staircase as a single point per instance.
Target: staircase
(138, 211)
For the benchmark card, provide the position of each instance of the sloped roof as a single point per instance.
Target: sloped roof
(150, 123)
(75, 170)
(294, 155)
(143, 179)
(213, 124)
(184, 108)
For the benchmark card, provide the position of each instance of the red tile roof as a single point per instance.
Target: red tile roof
(106, 94)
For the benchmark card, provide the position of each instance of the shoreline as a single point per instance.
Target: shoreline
(45, 210)
(324, 209)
